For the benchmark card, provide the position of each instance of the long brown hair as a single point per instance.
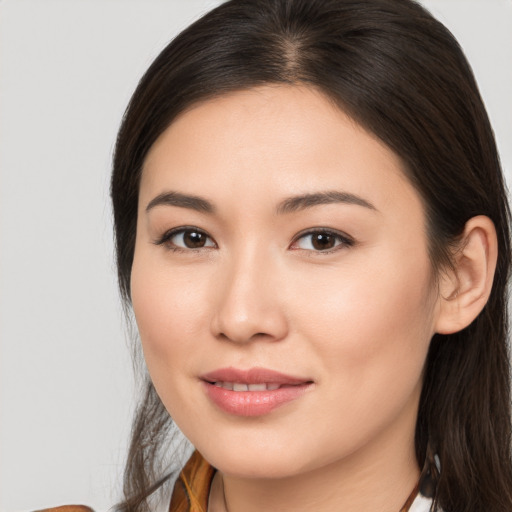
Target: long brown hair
(400, 74)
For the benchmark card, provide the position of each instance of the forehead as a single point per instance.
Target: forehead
(270, 142)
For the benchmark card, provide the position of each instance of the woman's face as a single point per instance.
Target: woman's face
(282, 285)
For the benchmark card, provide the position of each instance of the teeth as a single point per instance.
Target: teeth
(239, 386)
(257, 387)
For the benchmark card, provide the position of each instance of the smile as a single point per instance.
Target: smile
(253, 392)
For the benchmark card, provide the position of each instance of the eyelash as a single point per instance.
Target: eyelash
(168, 235)
(341, 239)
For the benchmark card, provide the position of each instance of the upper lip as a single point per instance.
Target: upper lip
(252, 376)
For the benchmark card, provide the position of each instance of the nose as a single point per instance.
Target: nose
(249, 302)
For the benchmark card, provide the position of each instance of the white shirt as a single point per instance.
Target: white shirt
(421, 504)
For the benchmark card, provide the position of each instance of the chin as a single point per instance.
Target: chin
(258, 468)
(261, 462)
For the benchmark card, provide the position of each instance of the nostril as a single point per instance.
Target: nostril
(248, 318)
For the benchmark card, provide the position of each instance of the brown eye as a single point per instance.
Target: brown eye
(194, 239)
(321, 241)
(189, 238)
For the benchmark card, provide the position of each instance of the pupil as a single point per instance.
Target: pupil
(321, 241)
(193, 239)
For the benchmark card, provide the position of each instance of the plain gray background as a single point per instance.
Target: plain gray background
(67, 70)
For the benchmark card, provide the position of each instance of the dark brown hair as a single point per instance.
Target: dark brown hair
(400, 74)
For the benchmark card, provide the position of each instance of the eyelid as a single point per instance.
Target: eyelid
(346, 240)
(166, 237)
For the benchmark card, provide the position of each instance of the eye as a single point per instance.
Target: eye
(186, 238)
(321, 241)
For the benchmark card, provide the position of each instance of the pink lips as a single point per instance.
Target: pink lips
(281, 390)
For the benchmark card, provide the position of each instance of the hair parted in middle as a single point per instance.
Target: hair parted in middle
(402, 76)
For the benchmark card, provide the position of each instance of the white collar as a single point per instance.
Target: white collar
(421, 504)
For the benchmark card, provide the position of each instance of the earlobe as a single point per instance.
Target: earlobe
(465, 289)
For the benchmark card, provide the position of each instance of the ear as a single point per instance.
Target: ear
(465, 289)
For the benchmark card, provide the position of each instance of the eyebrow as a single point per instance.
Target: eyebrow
(289, 205)
(181, 200)
(305, 201)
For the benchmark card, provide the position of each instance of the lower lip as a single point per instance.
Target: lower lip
(253, 403)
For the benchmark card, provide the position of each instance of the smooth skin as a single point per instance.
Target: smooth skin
(338, 289)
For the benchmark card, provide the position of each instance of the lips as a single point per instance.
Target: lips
(253, 392)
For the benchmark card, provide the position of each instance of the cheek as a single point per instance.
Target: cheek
(171, 317)
(170, 311)
(373, 327)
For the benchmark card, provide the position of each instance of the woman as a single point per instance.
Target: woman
(312, 230)
(307, 195)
